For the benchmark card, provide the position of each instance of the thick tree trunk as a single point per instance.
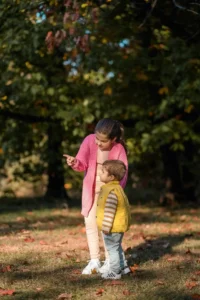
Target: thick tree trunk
(55, 187)
(179, 182)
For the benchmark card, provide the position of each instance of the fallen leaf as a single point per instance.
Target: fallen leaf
(126, 293)
(6, 269)
(190, 285)
(188, 251)
(38, 289)
(99, 292)
(134, 268)
(160, 282)
(29, 240)
(43, 243)
(6, 292)
(64, 296)
(93, 271)
(195, 297)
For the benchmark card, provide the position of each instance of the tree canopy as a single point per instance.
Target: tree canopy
(66, 64)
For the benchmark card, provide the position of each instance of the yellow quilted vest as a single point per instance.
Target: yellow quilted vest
(122, 218)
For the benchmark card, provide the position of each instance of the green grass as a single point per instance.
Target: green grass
(43, 250)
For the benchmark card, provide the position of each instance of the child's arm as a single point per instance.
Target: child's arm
(109, 213)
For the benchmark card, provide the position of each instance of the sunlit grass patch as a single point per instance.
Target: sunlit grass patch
(42, 253)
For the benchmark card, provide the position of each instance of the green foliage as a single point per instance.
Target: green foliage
(75, 62)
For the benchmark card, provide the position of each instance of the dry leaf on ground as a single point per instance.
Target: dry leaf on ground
(6, 292)
(191, 284)
(195, 297)
(99, 292)
(64, 296)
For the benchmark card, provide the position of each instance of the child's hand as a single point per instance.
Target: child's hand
(105, 232)
(70, 159)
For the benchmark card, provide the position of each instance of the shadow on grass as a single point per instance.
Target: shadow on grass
(52, 283)
(10, 204)
(153, 250)
(41, 223)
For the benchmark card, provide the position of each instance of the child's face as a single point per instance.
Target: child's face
(105, 177)
(103, 142)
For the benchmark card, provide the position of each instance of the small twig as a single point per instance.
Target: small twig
(194, 35)
(184, 8)
(193, 3)
(149, 13)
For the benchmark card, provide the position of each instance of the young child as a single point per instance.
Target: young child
(106, 143)
(113, 215)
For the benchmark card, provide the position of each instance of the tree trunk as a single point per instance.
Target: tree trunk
(179, 184)
(55, 187)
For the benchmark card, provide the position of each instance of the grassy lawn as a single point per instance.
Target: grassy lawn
(43, 250)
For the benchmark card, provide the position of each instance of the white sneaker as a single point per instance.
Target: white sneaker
(92, 267)
(111, 275)
(126, 270)
(106, 267)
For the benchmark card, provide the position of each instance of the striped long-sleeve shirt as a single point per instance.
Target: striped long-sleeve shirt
(109, 212)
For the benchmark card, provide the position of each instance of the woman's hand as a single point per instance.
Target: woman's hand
(70, 159)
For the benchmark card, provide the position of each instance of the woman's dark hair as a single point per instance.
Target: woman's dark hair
(112, 129)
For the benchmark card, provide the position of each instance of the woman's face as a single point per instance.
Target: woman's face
(103, 142)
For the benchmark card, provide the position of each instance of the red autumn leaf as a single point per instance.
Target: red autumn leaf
(29, 239)
(99, 292)
(190, 285)
(188, 251)
(6, 292)
(6, 269)
(195, 297)
(126, 293)
(134, 268)
(43, 243)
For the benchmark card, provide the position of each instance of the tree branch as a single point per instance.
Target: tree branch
(184, 8)
(26, 118)
(149, 13)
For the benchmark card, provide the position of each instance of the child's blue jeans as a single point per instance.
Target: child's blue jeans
(113, 243)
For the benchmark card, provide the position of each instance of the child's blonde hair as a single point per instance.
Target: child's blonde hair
(115, 167)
